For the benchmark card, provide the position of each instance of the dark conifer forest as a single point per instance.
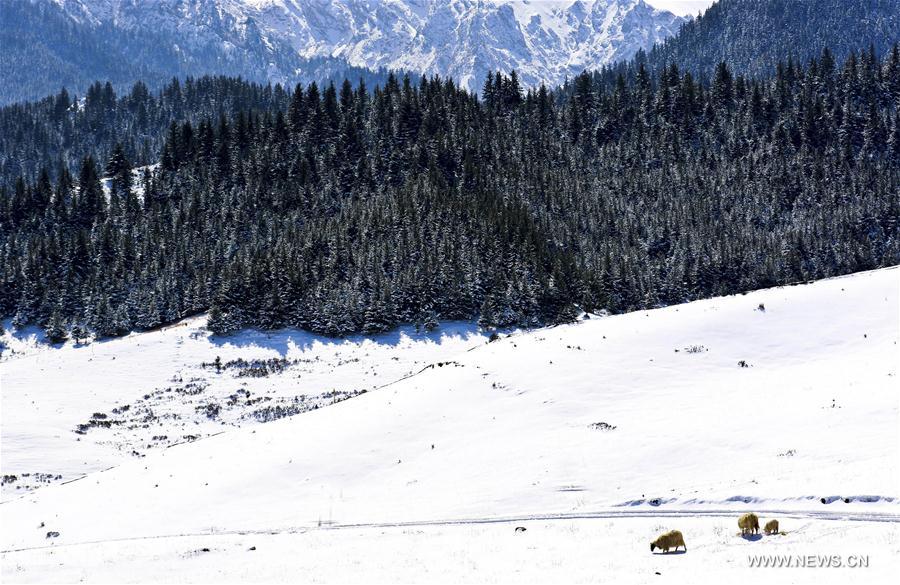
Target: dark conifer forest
(345, 209)
(752, 36)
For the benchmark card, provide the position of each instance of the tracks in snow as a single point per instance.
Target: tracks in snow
(850, 516)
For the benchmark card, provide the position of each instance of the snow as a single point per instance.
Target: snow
(426, 478)
(137, 181)
(682, 7)
(543, 40)
(588, 550)
(161, 379)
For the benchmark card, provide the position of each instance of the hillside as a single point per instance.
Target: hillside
(593, 436)
(145, 392)
(339, 210)
(52, 45)
(753, 36)
(49, 44)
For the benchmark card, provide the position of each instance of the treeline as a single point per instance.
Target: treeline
(49, 44)
(56, 132)
(342, 210)
(752, 36)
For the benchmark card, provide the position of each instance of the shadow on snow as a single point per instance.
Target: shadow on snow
(286, 340)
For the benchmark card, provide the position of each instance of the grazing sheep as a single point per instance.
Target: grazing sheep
(772, 527)
(671, 539)
(749, 524)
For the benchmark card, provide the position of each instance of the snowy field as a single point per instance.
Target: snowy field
(149, 391)
(595, 437)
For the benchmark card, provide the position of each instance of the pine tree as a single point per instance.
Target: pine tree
(627, 188)
(56, 328)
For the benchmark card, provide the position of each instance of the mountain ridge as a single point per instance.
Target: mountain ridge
(752, 36)
(274, 40)
(48, 46)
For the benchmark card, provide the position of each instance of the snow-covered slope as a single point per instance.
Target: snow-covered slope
(139, 394)
(594, 436)
(544, 40)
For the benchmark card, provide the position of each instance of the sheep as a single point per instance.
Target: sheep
(772, 527)
(671, 539)
(749, 524)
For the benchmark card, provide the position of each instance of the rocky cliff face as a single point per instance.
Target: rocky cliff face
(544, 40)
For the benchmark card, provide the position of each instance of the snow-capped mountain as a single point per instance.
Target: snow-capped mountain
(544, 40)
